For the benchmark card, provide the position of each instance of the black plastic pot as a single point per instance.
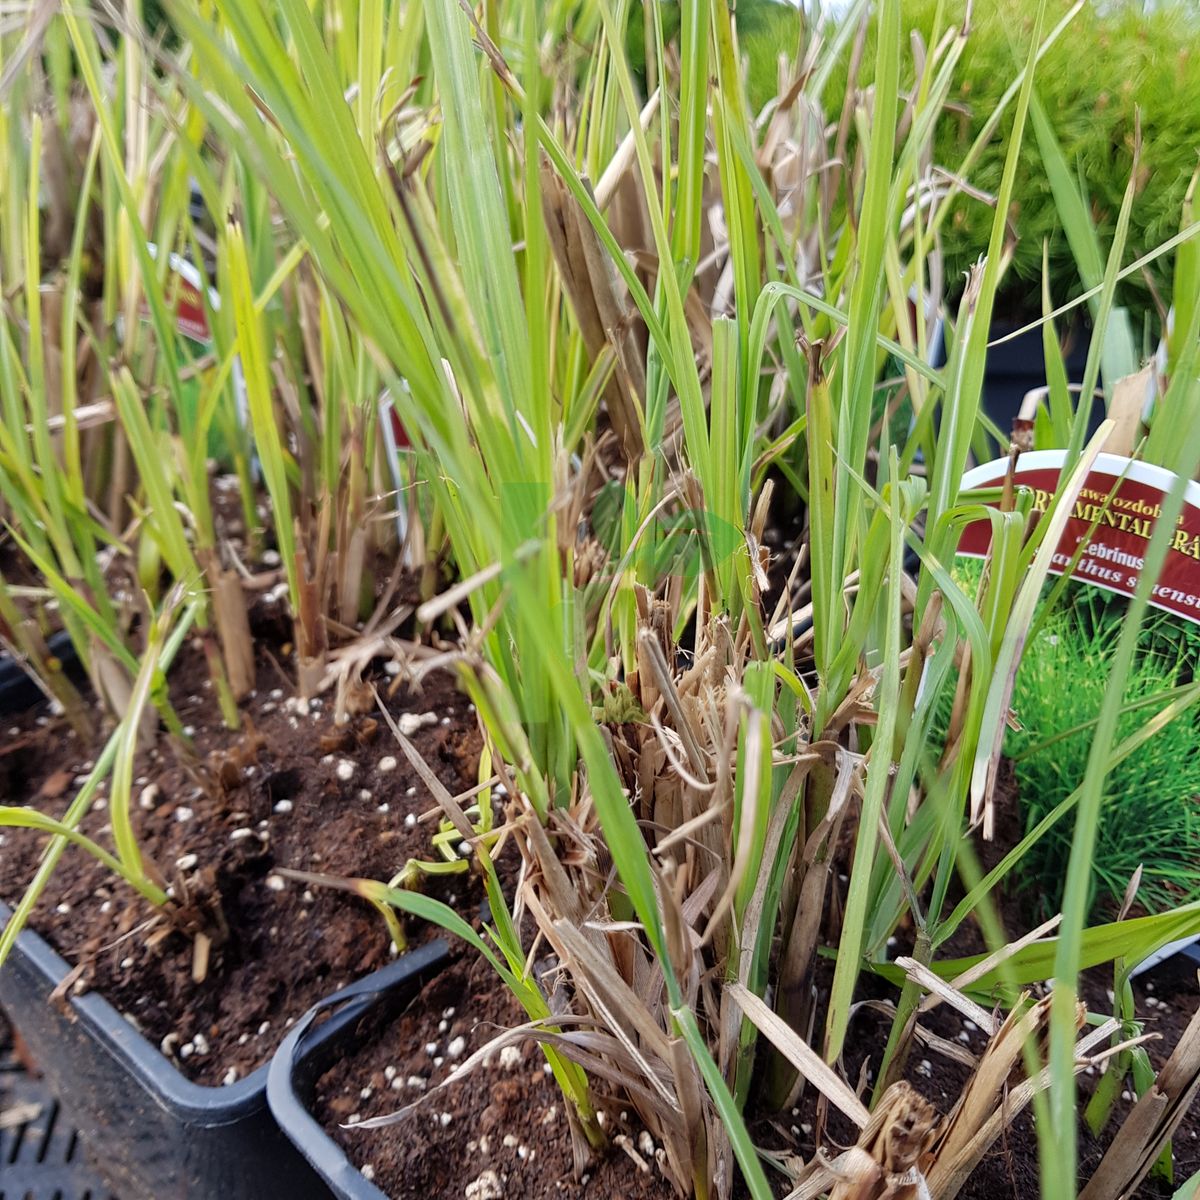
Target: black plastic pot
(1017, 367)
(311, 1048)
(17, 691)
(155, 1135)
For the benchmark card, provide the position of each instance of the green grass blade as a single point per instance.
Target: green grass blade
(29, 818)
(1119, 353)
(1057, 1142)
(879, 771)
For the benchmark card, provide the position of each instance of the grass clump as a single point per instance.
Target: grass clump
(618, 312)
(1150, 815)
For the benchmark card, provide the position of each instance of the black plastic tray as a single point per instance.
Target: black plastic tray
(41, 1152)
(17, 691)
(155, 1135)
(310, 1049)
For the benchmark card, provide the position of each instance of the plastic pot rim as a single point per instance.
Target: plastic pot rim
(352, 1003)
(194, 1103)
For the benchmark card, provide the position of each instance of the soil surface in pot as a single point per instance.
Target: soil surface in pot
(1166, 997)
(501, 1131)
(291, 789)
(1009, 1170)
(498, 1120)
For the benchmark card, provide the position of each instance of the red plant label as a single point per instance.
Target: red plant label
(399, 433)
(1114, 514)
(191, 321)
(190, 318)
(183, 286)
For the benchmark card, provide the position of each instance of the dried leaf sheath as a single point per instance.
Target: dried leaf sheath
(1149, 1125)
(598, 301)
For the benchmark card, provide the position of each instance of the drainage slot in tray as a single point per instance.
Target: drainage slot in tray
(41, 1154)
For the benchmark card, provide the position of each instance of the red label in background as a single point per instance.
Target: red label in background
(190, 317)
(191, 321)
(398, 431)
(1115, 551)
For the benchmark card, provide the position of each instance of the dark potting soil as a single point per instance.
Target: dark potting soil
(499, 1134)
(291, 790)
(509, 1121)
(1009, 1170)
(497, 1120)
(1166, 998)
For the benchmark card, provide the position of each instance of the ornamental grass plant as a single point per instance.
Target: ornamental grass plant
(623, 316)
(1149, 817)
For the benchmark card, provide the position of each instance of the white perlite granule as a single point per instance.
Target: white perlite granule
(486, 1186)
(410, 722)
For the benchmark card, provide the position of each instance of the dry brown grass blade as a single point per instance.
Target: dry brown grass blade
(993, 1097)
(113, 684)
(997, 1091)
(86, 417)
(752, 916)
(648, 1057)
(563, 898)
(986, 1104)
(800, 1054)
(442, 603)
(309, 625)
(351, 562)
(682, 834)
(682, 943)
(440, 793)
(599, 303)
(623, 159)
(691, 1094)
(931, 982)
(568, 255)
(749, 818)
(620, 1008)
(1128, 400)
(985, 965)
(233, 628)
(1151, 1122)
(813, 871)
(653, 662)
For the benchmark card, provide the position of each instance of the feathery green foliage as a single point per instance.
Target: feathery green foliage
(1115, 65)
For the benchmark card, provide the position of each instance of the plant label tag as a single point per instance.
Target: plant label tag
(1113, 519)
(183, 285)
(396, 435)
(191, 320)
